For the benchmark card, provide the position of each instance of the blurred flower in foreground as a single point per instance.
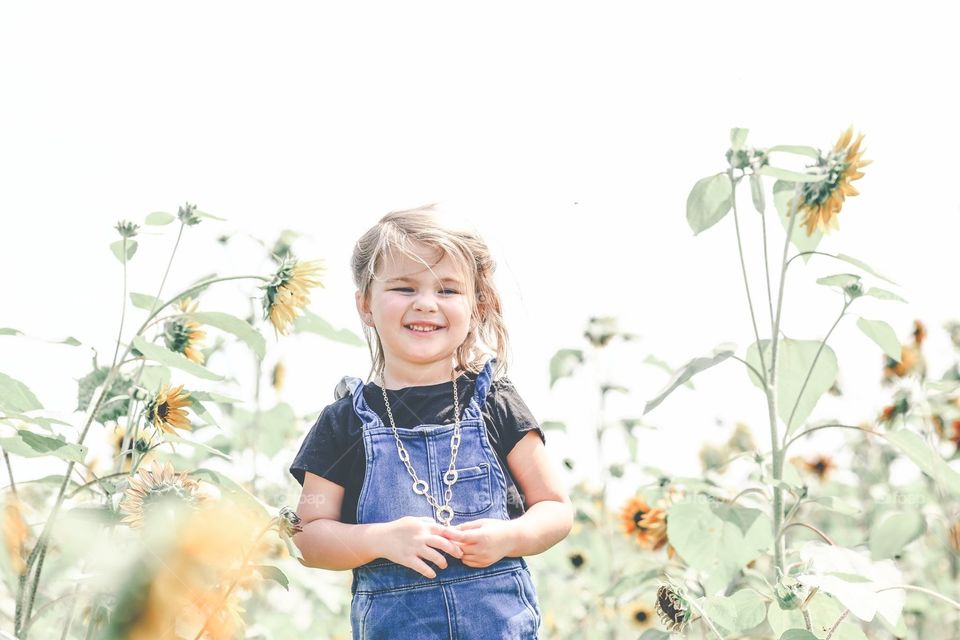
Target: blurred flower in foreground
(15, 531)
(742, 439)
(911, 359)
(164, 410)
(277, 378)
(288, 291)
(641, 615)
(672, 608)
(156, 486)
(647, 525)
(577, 560)
(712, 456)
(188, 585)
(182, 335)
(821, 201)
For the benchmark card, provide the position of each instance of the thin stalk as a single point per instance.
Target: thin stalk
(808, 526)
(829, 426)
(934, 594)
(836, 624)
(803, 387)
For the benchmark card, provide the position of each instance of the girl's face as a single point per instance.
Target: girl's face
(420, 316)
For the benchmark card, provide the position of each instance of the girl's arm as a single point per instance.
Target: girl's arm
(549, 515)
(327, 543)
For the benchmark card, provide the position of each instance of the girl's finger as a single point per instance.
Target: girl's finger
(434, 556)
(449, 546)
(453, 534)
(421, 567)
(473, 524)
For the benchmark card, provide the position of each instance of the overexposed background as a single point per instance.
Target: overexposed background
(569, 134)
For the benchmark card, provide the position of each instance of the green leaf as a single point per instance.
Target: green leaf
(272, 430)
(662, 364)
(563, 363)
(709, 201)
(883, 334)
(894, 530)
(782, 193)
(717, 539)
(159, 218)
(144, 301)
(797, 634)
(864, 266)
(204, 214)
(232, 490)
(16, 396)
(7, 331)
(553, 425)
(926, 458)
(117, 249)
(232, 324)
(273, 573)
(654, 634)
(790, 176)
(171, 359)
(737, 613)
(883, 294)
(310, 322)
(696, 365)
(797, 149)
(155, 376)
(841, 280)
(756, 193)
(33, 445)
(212, 396)
(793, 363)
(738, 137)
(169, 437)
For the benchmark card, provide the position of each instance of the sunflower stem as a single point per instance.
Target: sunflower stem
(770, 390)
(836, 624)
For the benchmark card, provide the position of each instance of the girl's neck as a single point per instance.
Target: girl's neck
(429, 375)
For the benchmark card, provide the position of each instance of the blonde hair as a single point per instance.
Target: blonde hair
(401, 230)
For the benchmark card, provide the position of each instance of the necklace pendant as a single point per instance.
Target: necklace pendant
(420, 487)
(445, 514)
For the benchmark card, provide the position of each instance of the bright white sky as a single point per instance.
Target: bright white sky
(568, 133)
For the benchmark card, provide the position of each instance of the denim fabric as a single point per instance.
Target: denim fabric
(461, 603)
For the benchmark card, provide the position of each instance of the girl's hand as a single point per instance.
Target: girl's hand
(410, 540)
(484, 541)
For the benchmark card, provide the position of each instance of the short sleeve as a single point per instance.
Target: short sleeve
(513, 417)
(321, 452)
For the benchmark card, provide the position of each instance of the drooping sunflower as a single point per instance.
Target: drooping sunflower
(183, 335)
(911, 357)
(821, 465)
(157, 483)
(672, 607)
(646, 524)
(288, 291)
(164, 410)
(820, 202)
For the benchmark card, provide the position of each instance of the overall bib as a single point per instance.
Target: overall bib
(461, 603)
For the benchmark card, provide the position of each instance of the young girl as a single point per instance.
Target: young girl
(430, 481)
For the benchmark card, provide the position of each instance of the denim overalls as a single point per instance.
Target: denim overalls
(461, 603)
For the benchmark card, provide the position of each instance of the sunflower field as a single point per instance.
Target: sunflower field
(169, 535)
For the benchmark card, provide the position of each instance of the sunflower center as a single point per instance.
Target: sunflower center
(640, 616)
(162, 410)
(637, 517)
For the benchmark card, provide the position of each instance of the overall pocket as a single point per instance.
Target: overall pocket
(472, 492)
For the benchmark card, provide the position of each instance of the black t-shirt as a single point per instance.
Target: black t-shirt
(333, 448)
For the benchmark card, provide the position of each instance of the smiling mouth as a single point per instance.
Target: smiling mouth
(422, 328)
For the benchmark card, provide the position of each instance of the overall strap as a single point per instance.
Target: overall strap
(350, 385)
(484, 378)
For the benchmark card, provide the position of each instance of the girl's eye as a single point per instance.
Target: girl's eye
(444, 291)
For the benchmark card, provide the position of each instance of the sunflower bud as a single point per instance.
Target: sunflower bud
(127, 229)
(290, 522)
(790, 593)
(188, 214)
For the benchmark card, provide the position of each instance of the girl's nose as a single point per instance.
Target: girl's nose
(424, 301)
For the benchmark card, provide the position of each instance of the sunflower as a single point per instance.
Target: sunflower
(742, 438)
(672, 607)
(821, 201)
(182, 335)
(164, 410)
(288, 291)
(157, 484)
(640, 615)
(648, 525)
(277, 378)
(15, 531)
(821, 465)
(911, 358)
(143, 446)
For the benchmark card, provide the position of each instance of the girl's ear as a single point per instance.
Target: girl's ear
(363, 309)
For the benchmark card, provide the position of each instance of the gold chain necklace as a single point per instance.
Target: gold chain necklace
(420, 487)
